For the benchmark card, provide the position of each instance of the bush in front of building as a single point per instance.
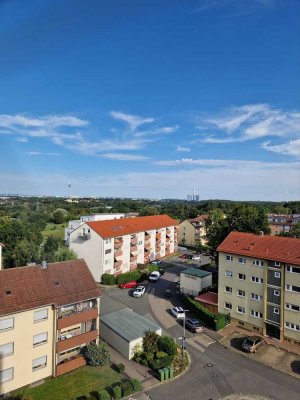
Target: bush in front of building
(103, 395)
(108, 279)
(214, 321)
(136, 385)
(127, 388)
(116, 391)
(96, 355)
(120, 368)
(129, 276)
(160, 362)
(166, 344)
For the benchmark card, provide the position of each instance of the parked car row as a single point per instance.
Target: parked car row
(195, 257)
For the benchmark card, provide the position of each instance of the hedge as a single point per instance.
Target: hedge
(116, 390)
(108, 279)
(121, 368)
(214, 321)
(134, 275)
(161, 362)
(127, 388)
(136, 385)
(103, 395)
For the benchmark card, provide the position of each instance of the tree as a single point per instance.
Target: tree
(50, 248)
(64, 254)
(167, 345)
(60, 215)
(25, 252)
(150, 342)
(295, 231)
(96, 355)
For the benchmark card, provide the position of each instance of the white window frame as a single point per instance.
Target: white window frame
(229, 258)
(276, 292)
(256, 314)
(241, 295)
(292, 326)
(228, 274)
(228, 291)
(256, 279)
(3, 380)
(38, 312)
(39, 339)
(277, 264)
(242, 260)
(8, 323)
(6, 349)
(289, 288)
(38, 363)
(239, 311)
(227, 308)
(276, 311)
(241, 279)
(289, 306)
(258, 263)
(277, 274)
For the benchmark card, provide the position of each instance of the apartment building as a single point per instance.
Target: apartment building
(282, 223)
(192, 231)
(75, 223)
(47, 314)
(118, 246)
(259, 283)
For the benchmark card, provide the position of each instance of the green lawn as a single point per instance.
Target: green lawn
(57, 230)
(75, 385)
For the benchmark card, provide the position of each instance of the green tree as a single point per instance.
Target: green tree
(150, 342)
(295, 231)
(167, 345)
(50, 248)
(64, 254)
(60, 215)
(25, 252)
(96, 355)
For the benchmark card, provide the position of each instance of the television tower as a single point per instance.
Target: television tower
(69, 186)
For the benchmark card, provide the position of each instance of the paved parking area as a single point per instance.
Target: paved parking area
(269, 355)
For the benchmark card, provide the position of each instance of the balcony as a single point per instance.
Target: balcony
(133, 249)
(118, 254)
(118, 243)
(133, 241)
(168, 231)
(76, 318)
(133, 258)
(147, 246)
(158, 235)
(147, 236)
(77, 340)
(70, 364)
(117, 264)
(157, 249)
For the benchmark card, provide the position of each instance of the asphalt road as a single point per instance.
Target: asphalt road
(215, 371)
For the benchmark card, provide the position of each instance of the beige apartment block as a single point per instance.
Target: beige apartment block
(259, 283)
(44, 324)
(118, 246)
(192, 231)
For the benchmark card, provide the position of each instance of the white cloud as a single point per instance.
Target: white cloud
(39, 153)
(21, 139)
(124, 157)
(292, 148)
(54, 121)
(164, 130)
(236, 8)
(133, 121)
(182, 149)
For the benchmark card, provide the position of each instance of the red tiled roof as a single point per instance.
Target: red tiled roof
(125, 226)
(200, 218)
(208, 298)
(60, 283)
(276, 248)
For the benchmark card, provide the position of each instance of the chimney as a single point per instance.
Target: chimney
(44, 264)
(261, 233)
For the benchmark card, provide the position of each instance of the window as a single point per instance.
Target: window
(140, 242)
(107, 251)
(276, 293)
(256, 314)
(6, 349)
(277, 264)
(292, 288)
(40, 338)
(292, 307)
(258, 263)
(38, 363)
(242, 277)
(255, 296)
(229, 258)
(6, 375)
(228, 274)
(6, 324)
(241, 310)
(228, 306)
(228, 289)
(106, 262)
(242, 260)
(40, 315)
(255, 279)
(293, 327)
(295, 270)
(276, 311)
(107, 241)
(276, 274)
(241, 293)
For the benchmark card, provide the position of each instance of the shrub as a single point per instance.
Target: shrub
(150, 342)
(136, 385)
(143, 361)
(108, 279)
(167, 345)
(152, 267)
(117, 391)
(96, 355)
(127, 388)
(161, 362)
(160, 354)
(147, 356)
(129, 276)
(103, 395)
(137, 350)
(120, 368)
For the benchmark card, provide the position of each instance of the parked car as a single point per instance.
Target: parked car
(193, 325)
(190, 257)
(161, 271)
(196, 257)
(139, 291)
(252, 343)
(183, 256)
(156, 262)
(128, 285)
(178, 312)
(154, 276)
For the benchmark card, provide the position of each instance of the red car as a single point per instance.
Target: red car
(128, 285)
(184, 256)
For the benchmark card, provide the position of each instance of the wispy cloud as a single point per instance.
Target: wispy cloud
(163, 130)
(39, 153)
(251, 122)
(133, 121)
(124, 157)
(234, 8)
(292, 148)
(182, 149)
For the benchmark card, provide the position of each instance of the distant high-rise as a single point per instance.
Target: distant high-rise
(193, 197)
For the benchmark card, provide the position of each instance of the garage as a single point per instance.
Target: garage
(124, 329)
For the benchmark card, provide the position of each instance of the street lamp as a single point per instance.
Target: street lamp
(183, 338)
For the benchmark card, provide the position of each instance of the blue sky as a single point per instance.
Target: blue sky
(151, 98)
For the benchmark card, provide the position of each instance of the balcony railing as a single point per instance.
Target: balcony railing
(77, 340)
(77, 318)
(147, 236)
(118, 264)
(133, 258)
(134, 241)
(76, 308)
(69, 364)
(133, 249)
(147, 246)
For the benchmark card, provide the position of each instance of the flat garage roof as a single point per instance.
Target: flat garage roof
(128, 324)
